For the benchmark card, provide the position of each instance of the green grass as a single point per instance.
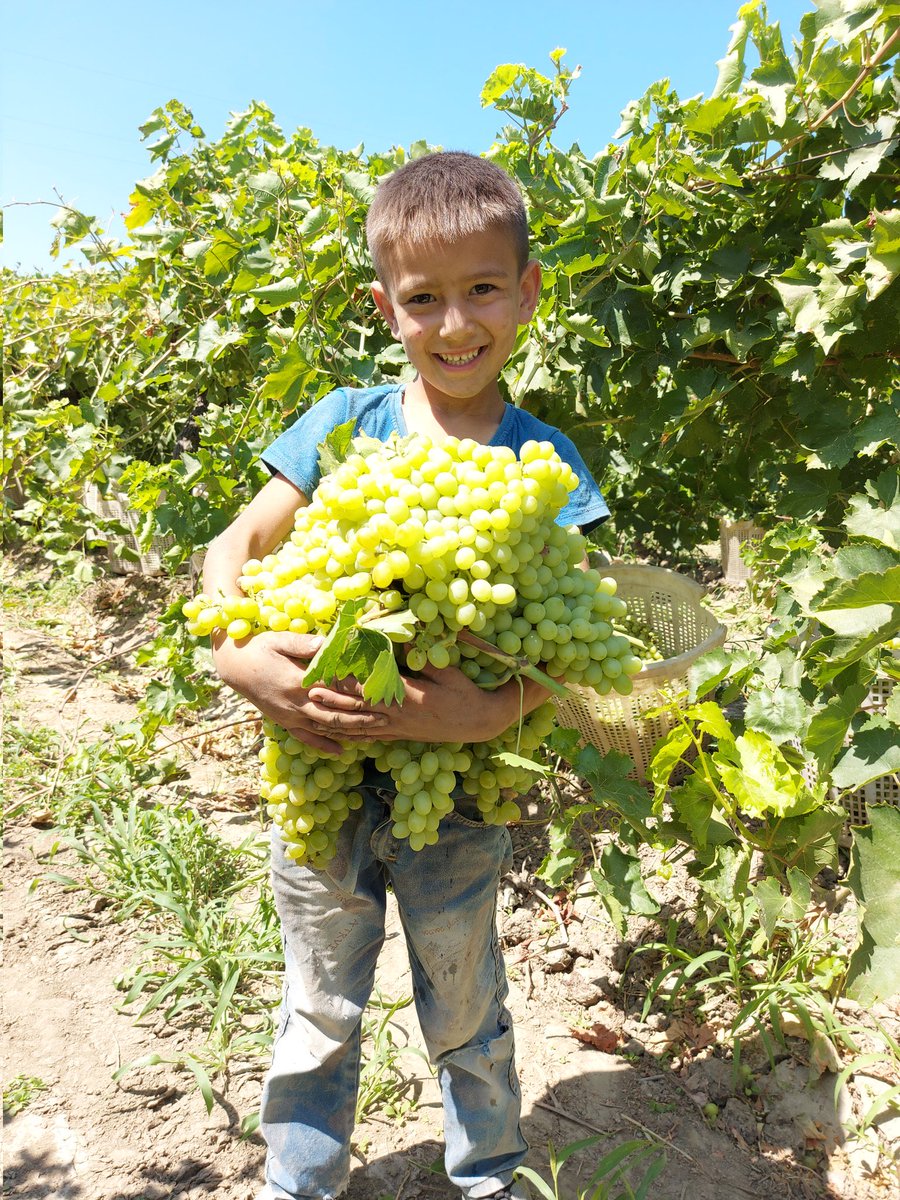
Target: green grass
(384, 1087)
(41, 593)
(617, 1176)
(30, 758)
(210, 955)
(214, 952)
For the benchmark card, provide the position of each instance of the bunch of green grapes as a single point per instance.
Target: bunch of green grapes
(464, 537)
(640, 636)
(309, 797)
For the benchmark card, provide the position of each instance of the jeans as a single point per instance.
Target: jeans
(333, 928)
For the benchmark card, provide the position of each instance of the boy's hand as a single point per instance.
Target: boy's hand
(267, 669)
(442, 705)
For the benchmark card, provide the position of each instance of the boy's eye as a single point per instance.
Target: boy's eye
(482, 289)
(420, 298)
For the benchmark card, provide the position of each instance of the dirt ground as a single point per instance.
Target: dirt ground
(588, 1064)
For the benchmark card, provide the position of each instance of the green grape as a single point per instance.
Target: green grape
(439, 655)
(640, 637)
(410, 773)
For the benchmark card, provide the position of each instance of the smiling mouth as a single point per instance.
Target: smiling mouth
(460, 360)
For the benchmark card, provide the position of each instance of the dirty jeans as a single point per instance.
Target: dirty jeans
(333, 927)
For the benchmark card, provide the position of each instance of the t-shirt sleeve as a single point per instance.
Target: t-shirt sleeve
(295, 453)
(586, 508)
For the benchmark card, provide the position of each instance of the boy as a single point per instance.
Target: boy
(448, 237)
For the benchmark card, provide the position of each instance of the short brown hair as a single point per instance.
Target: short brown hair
(443, 197)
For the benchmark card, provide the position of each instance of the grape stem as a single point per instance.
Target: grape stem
(635, 641)
(520, 666)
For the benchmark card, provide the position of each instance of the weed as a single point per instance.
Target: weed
(766, 978)
(29, 755)
(611, 1178)
(99, 776)
(218, 952)
(383, 1087)
(886, 1100)
(145, 858)
(215, 967)
(42, 593)
(20, 1092)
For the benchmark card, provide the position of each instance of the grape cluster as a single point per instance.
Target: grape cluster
(310, 797)
(640, 637)
(464, 536)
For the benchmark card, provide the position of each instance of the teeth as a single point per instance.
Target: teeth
(457, 359)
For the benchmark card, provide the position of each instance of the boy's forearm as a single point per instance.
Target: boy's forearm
(223, 566)
(255, 532)
(252, 534)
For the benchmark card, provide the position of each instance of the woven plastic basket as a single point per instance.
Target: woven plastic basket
(886, 789)
(732, 536)
(116, 507)
(670, 605)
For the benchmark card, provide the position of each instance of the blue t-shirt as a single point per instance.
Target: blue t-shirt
(378, 412)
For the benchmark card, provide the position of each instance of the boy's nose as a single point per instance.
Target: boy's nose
(457, 321)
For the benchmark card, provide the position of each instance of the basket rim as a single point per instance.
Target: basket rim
(664, 669)
(744, 525)
(614, 569)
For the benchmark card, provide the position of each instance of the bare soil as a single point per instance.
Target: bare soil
(588, 1064)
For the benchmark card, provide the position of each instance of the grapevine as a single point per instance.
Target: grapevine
(447, 554)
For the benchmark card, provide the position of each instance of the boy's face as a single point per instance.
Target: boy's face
(456, 309)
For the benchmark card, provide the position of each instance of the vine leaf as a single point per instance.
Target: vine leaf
(361, 651)
(621, 887)
(398, 626)
(526, 764)
(336, 446)
(384, 682)
(875, 878)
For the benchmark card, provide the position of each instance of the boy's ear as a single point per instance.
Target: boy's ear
(529, 290)
(384, 306)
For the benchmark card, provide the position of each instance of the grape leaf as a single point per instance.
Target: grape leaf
(781, 713)
(336, 446)
(760, 778)
(563, 856)
(874, 752)
(384, 681)
(828, 728)
(874, 972)
(865, 591)
(875, 873)
(361, 651)
(516, 760)
(328, 661)
(398, 626)
(621, 887)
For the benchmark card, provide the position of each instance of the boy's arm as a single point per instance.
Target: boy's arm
(444, 705)
(267, 668)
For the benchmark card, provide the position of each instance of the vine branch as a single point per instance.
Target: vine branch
(867, 69)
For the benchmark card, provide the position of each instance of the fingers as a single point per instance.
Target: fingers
(343, 700)
(329, 731)
(337, 721)
(326, 728)
(297, 645)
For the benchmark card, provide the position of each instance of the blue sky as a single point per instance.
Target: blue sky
(79, 78)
